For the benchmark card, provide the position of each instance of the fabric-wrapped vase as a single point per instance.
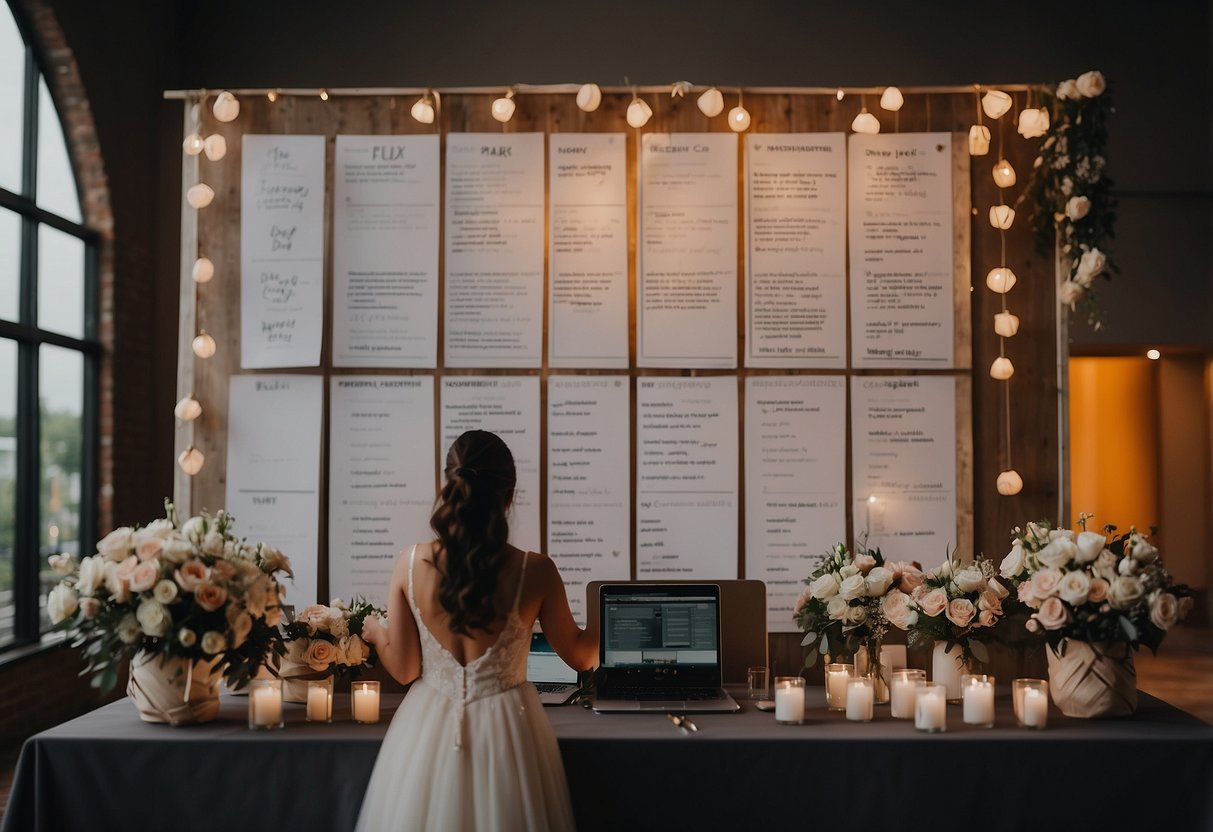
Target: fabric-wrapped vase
(1093, 681)
(173, 690)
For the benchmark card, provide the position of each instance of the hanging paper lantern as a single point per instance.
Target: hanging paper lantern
(1004, 174)
(188, 409)
(739, 119)
(979, 140)
(1010, 483)
(1006, 324)
(226, 107)
(1000, 280)
(215, 147)
(891, 99)
(423, 110)
(996, 103)
(1002, 216)
(865, 122)
(639, 113)
(711, 103)
(1002, 369)
(589, 97)
(203, 270)
(191, 460)
(200, 195)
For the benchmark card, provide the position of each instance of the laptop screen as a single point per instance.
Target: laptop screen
(661, 628)
(544, 666)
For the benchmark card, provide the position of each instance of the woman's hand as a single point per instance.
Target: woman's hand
(373, 631)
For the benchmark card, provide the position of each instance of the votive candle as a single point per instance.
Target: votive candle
(265, 704)
(837, 675)
(931, 709)
(789, 700)
(860, 699)
(366, 702)
(905, 688)
(1031, 701)
(978, 693)
(320, 700)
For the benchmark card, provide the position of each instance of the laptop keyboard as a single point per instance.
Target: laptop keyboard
(552, 687)
(656, 694)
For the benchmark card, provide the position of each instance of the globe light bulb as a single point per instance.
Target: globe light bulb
(1000, 280)
(589, 97)
(1002, 216)
(226, 107)
(995, 103)
(271, 96)
(865, 122)
(979, 140)
(193, 144)
(639, 113)
(891, 99)
(1004, 174)
(711, 103)
(423, 110)
(203, 270)
(191, 460)
(1010, 483)
(188, 409)
(203, 345)
(1002, 369)
(739, 119)
(503, 108)
(200, 195)
(215, 147)
(1006, 324)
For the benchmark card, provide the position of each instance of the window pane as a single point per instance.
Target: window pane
(8, 483)
(56, 179)
(61, 400)
(60, 281)
(12, 100)
(10, 264)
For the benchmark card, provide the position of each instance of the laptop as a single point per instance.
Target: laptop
(555, 680)
(659, 649)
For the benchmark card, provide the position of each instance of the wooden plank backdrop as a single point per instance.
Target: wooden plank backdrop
(983, 517)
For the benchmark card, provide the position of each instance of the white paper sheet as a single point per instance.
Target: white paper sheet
(385, 251)
(273, 470)
(795, 475)
(509, 407)
(494, 250)
(281, 251)
(796, 268)
(903, 434)
(686, 309)
(588, 250)
(686, 477)
(589, 492)
(381, 478)
(901, 250)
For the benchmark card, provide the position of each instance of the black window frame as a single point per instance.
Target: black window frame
(29, 559)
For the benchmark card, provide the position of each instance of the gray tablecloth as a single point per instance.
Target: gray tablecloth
(108, 770)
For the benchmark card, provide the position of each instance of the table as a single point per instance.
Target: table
(108, 770)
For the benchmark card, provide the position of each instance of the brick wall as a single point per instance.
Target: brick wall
(43, 689)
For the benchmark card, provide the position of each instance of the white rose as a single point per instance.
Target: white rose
(62, 563)
(116, 545)
(187, 637)
(118, 587)
(836, 608)
(1140, 548)
(1058, 553)
(1105, 565)
(1125, 591)
(1092, 262)
(1090, 544)
(848, 571)
(852, 587)
(154, 618)
(1074, 588)
(1127, 566)
(1164, 610)
(856, 615)
(176, 550)
(899, 610)
(1012, 564)
(194, 528)
(1090, 84)
(128, 629)
(970, 579)
(878, 581)
(213, 642)
(61, 603)
(1040, 533)
(165, 591)
(1068, 89)
(1070, 292)
(92, 575)
(1078, 207)
(89, 607)
(825, 587)
(212, 544)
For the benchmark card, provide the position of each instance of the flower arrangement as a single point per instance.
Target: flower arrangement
(192, 591)
(1074, 202)
(327, 640)
(956, 604)
(842, 606)
(1094, 586)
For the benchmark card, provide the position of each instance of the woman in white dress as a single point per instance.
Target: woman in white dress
(470, 748)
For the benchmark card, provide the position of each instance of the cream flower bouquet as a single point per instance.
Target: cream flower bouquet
(326, 641)
(190, 591)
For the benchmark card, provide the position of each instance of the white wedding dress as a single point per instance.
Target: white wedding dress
(470, 748)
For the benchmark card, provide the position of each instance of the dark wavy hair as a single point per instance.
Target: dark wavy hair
(470, 521)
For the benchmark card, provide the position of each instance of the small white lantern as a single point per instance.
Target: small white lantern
(1002, 216)
(188, 409)
(739, 119)
(215, 147)
(1004, 174)
(203, 345)
(711, 103)
(589, 97)
(1002, 369)
(996, 103)
(200, 195)
(193, 144)
(639, 113)
(203, 270)
(1010, 483)
(1006, 324)
(423, 110)
(226, 107)
(503, 108)
(979, 140)
(1032, 123)
(865, 122)
(891, 99)
(1000, 280)
(191, 460)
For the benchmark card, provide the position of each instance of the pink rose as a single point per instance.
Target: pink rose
(127, 568)
(899, 610)
(1032, 625)
(1164, 610)
(1044, 582)
(1098, 592)
(989, 601)
(320, 654)
(149, 549)
(864, 563)
(961, 611)
(1052, 614)
(209, 596)
(316, 616)
(987, 618)
(802, 600)
(191, 574)
(1025, 594)
(934, 602)
(911, 577)
(89, 607)
(145, 575)
(223, 569)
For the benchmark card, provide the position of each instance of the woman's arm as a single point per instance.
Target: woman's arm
(578, 647)
(398, 644)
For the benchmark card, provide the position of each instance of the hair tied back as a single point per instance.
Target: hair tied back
(467, 473)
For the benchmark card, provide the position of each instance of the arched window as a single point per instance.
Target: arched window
(49, 348)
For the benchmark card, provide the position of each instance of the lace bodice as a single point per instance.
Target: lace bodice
(500, 668)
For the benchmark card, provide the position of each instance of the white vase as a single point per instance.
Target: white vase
(173, 690)
(947, 668)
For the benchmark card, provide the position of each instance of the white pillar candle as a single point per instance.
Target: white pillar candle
(789, 700)
(267, 706)
(317, 704)
(979, 703)
(860, 700)
(366, 701)
(1035, 708)
(836, 685)
(930, 709)
(904, 691)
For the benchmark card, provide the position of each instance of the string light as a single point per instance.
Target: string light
(996, 103)
(1000, 280)
(203, 345)
(226, 107)
(891, 99)
(1153, 354)
(191, 460)
(739, 117)
(979, 140)
(423, 109)
(324, 94)
(1002, 216)
(193, 144)
(271, 96)
(1006, 324)
(203, 270)
(711, 102)
(215, 147)
(589, 97)
(200, 195)
(1002, 368)
(639, 112)
(503, 108)
(1004, 174)
(1033, 123)
(865, 122)
(188, 409)
(1010, 483)
(840, 94)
